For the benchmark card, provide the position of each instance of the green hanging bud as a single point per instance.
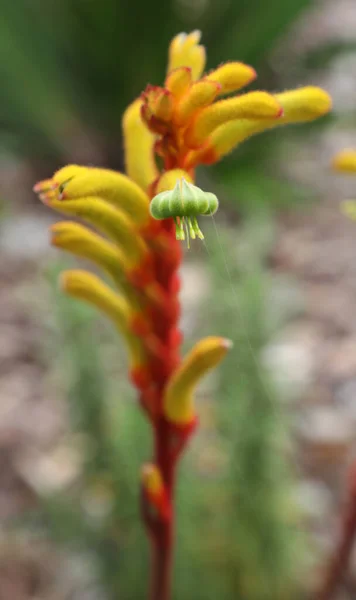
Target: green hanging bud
(184, 203)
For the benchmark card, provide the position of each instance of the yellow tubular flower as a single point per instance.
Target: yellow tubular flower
(115, 188)
(304, 104)
(67, 172)
(178, 81)
(112, 221)
(178, 404)
(345, 161)
(232, 76)
(255, 105)
(200, 94)
(140, 165)
(88, 287)
(82, 242)
(184, 51)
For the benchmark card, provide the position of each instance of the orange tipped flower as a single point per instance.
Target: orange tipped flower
(192, 127)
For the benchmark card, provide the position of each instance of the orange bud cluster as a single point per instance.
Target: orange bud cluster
(192, 125)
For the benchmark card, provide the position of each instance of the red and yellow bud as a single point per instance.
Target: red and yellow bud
(232, 76)
(154, 490)
(88, 287)
(157, 108)
(184, 51)
(345, 161)
(178, 403)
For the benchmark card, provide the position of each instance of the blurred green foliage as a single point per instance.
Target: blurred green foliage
(263, 547)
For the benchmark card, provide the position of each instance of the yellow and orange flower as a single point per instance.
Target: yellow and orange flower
(186, 122)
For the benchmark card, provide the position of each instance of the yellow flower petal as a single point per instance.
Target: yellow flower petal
(259, 105)
(304, 104)
(184, 51)
(115, 188)
(112, 221)
(140, 165)
(232, 76)
(82, 242)
(178, 81)
(88, 287)
(345, 161)
(178, 404)
(200, 94)
(67, 172)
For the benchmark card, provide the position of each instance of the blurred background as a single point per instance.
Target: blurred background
(263, 483)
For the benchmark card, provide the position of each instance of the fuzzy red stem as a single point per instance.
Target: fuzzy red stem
(341, 558)
(161, 530)
(163, 539)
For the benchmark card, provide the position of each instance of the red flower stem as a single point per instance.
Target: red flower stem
(161, 572)
(161, 528)
(162, 536)
(341, 558)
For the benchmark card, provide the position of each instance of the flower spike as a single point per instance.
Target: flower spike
(168, 131)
